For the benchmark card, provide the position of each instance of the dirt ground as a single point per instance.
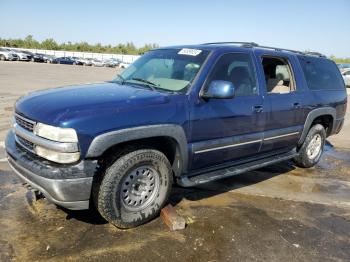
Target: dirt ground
(279, 213)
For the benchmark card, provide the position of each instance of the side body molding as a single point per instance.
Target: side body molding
(312, 116)
(176, 132)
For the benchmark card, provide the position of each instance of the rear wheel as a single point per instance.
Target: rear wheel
(134, 188)
(311, 150)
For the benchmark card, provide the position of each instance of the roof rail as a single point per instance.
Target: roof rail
(252, 44)
(314, 53)
(244, 44)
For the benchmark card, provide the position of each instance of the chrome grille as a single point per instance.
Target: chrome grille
(25, 143)
(25, 123)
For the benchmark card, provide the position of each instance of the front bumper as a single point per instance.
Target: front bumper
(65, 185)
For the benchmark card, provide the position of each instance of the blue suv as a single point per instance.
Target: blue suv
(184, 114)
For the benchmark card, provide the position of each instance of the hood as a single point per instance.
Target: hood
(61, 105)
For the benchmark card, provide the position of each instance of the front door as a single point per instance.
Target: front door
(225, 130)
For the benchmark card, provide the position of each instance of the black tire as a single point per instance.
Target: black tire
(109, 193)
(305, 159)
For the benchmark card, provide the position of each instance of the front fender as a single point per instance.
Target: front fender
(102, 142)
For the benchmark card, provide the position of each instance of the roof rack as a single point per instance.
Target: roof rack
(243, 44)
(252, 44)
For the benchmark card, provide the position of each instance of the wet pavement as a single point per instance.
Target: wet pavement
(278, 213)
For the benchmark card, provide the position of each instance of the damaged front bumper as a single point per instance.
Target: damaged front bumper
(68, 186)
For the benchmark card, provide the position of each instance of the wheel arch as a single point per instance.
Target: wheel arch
(168, 138)
(325, 116)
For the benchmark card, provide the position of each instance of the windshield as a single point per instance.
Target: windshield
(165, 69)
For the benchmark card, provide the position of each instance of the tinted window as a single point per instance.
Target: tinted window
(321, 74)
(238, 69)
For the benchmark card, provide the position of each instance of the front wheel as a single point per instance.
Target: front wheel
(311, 150)
(134, 188)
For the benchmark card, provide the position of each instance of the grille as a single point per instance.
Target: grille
(25, 143)
(26, 124)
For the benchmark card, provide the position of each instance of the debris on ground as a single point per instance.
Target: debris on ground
(172, 219)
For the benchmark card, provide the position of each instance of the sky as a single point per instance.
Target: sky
(315, 25)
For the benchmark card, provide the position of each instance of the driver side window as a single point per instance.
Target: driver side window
(238, 69)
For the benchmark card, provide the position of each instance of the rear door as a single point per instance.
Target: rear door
(286, 117)
(226, 130)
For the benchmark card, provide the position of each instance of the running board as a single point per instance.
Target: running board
(190, 181)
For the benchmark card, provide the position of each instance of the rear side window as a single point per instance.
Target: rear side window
(321, 74)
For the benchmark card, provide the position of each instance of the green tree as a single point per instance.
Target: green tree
(30, 42)
(49, 44)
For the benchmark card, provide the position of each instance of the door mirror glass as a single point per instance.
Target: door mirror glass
(219, 89)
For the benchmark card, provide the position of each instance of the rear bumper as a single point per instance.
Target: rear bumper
(66, 186)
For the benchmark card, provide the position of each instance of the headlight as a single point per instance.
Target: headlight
(63, 158)
(56, 133)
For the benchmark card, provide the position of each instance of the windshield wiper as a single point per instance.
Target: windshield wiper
(122, 78)
(149, 83)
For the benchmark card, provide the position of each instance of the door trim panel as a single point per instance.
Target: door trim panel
(282, 132)
(227, 142)
(241, 140)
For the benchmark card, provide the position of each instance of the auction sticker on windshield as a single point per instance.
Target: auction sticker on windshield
(188, 51)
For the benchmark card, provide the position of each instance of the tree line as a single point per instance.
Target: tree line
(127, 48)
(29, 42)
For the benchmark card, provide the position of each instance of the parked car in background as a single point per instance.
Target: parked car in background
(85, 61)
(64, 60)
(35, 57)
(346, 77)
(48, 58)
(343, 67)
(7, 54)
(97, 62)
(112, 62)
(124, 65)
(22, 55)
(78, 60)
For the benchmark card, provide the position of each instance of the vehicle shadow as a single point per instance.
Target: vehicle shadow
(197, 193)
(230, 184)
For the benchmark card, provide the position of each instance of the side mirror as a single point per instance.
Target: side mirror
(219, 89)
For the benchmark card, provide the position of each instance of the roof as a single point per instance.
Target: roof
(242, 45)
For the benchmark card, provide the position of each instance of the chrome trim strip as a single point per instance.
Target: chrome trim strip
(275, 137)
(244, 143)
(52, 145)
(227, 146)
